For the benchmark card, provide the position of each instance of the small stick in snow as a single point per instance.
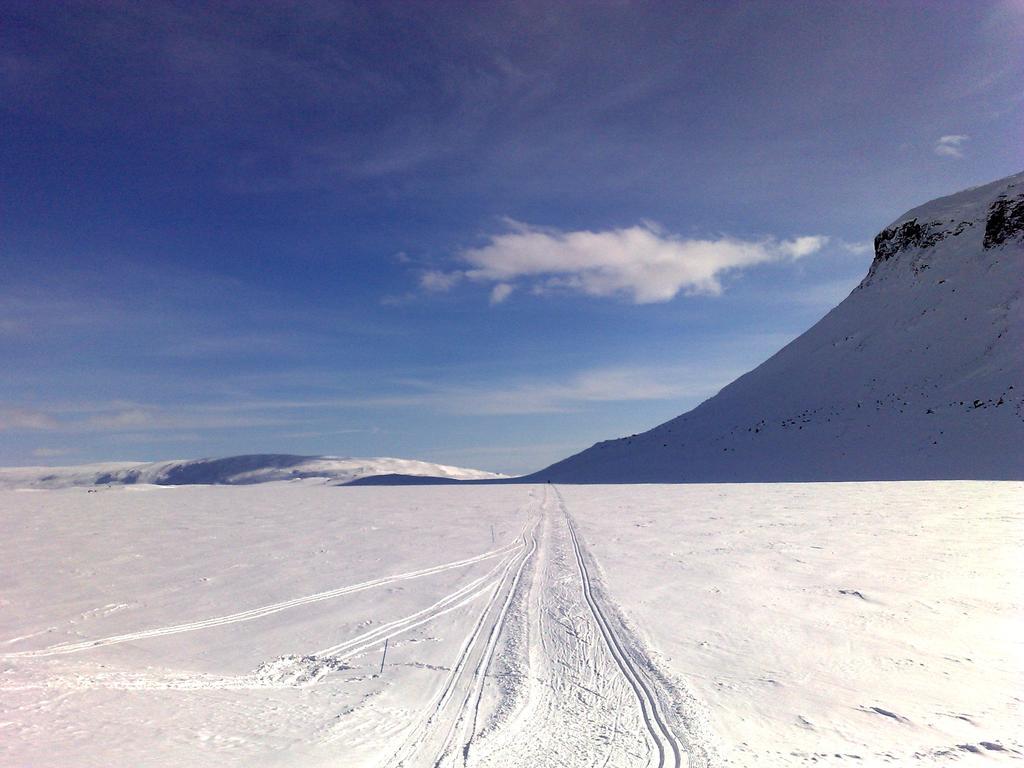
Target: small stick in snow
(383, 656)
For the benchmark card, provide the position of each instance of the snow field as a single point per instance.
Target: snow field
(826, 624)
(831, 623)
(183, 555)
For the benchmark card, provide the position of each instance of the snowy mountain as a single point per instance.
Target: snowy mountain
(233, 470)
(918, 374)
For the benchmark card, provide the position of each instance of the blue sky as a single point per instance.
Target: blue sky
(482, 234)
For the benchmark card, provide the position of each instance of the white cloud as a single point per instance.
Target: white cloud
(860, 248)
(500, 292)
(436, 281)
(799, 247)
(643, 263)
(951, 145)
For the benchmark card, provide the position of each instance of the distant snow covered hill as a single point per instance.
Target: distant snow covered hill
(918, 374)
(233, 470)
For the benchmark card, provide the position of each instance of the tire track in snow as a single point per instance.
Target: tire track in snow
(669, 752)
(257, 613)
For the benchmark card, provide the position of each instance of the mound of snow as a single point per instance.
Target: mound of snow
(233, 470)
(297, 671)
(918, 374)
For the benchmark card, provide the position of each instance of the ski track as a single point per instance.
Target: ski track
(292, 675)
(582, 698)
(585, 658)
(450, 602)
(669, 752)
(430, 742)
(256, 613)
(555, 696)
(469, 727)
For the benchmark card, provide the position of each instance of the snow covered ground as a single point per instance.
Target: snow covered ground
(754, 625)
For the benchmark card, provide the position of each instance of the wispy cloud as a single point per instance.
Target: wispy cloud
(594, 386)
(121, 416)
(238, 344)
(331, 433)
(18, 419)
(38, 311)
(304, 417)
(434, 280)
(643, 263)
(858, 248)
(528, 396)
(154, 417)
(951, 145)
(49, 453)
(822, 296)
(500, 292)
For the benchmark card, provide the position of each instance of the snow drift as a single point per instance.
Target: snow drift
(918, 374)
(233, 470)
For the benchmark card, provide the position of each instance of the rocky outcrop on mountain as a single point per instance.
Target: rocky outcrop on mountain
(911, 234)
(918, 374)
(1005, 221)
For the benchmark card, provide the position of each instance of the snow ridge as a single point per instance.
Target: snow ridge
(232, 470)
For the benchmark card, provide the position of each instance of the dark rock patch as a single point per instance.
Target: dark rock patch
(1005, 221)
